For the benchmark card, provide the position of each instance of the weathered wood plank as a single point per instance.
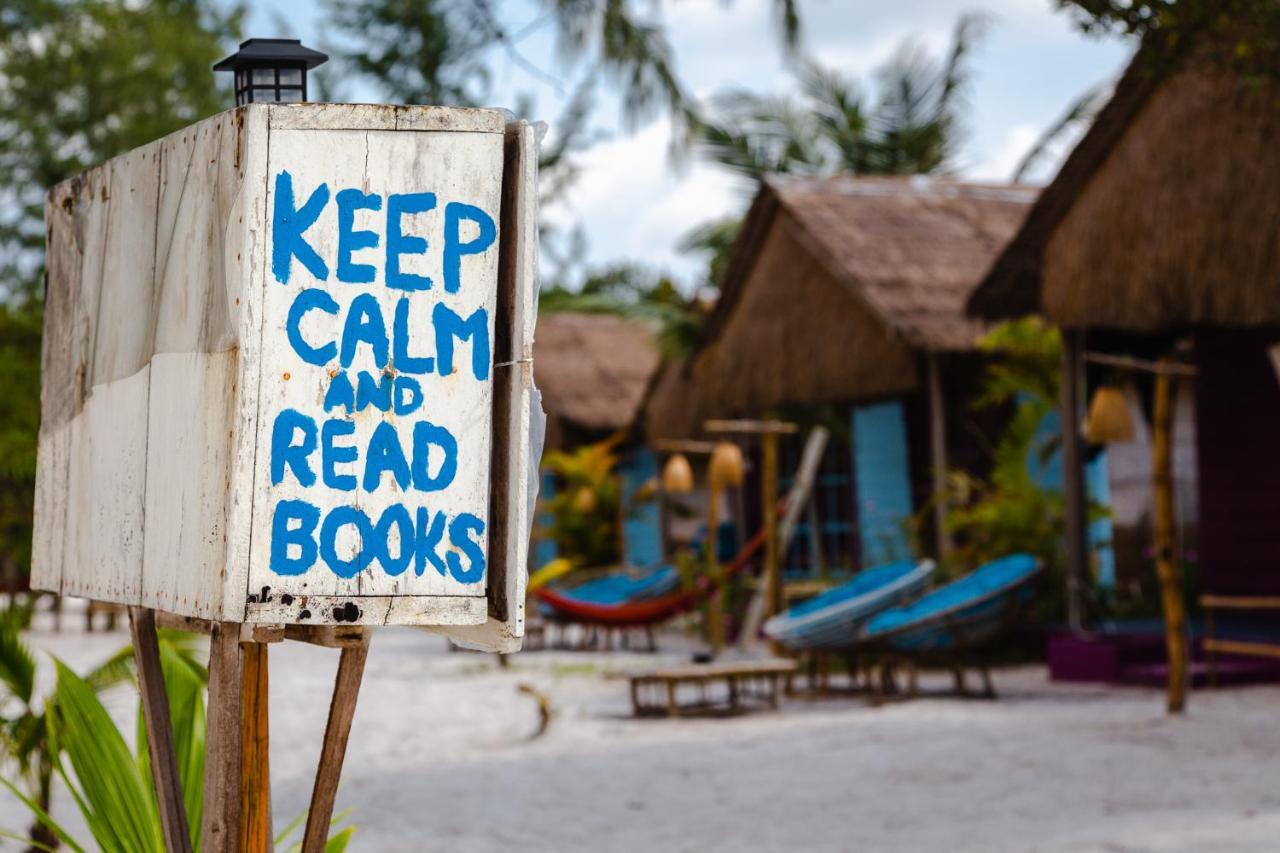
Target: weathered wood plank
(166, 335)
(515, 474)
(277, 607)
(255, 765)
(221, 813)
(385, 117)
(457, 169)
(159, 727)
(342, 709)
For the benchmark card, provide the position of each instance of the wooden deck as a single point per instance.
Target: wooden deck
(711, 688)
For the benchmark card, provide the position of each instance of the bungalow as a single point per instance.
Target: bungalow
(1160, 238)
(593, 371)
(843, 304)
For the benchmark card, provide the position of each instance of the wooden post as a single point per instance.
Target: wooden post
(715, 601)
(255, 767)
(769, 512)
(1073, 494)
(1175, 620)
(342, 708)
(938, 448)
(221, 820)
(155, 713)
(768, 431)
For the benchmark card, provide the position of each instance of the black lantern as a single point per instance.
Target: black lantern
(271, 70)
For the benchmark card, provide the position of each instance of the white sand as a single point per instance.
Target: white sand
(440, 759)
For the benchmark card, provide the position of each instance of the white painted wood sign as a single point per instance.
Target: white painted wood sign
(287, 371)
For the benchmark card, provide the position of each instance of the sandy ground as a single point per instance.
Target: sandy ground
(441, 759)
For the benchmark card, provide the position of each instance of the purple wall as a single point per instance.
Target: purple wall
(1238, 409)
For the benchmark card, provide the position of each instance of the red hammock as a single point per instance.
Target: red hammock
(645, 611)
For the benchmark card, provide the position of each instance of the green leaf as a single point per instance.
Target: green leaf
(116, 799)
(43, 816)
(338, 843)
(17, 666)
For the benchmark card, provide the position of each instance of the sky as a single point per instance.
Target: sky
(633, 201)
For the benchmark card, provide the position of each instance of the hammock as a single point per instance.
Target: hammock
(570, 607)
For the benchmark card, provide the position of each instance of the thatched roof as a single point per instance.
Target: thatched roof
(835, 285)
(1165, 215)
(593, 369)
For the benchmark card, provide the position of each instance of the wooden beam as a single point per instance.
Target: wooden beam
(938, 457)
(681, 445)
(1073, 493)
(255, 766)
(221, 820)
(328, 636)
(1125, 362)
(750, 426)
(1239, 647)
(1241, 602)
(159, 726)
(342, 708)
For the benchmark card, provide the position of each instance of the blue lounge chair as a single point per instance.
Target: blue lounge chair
(834, 620)
(951, 624)
(959, 615)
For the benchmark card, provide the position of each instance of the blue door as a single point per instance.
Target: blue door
(882, 482)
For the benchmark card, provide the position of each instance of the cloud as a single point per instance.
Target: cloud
(999, 165)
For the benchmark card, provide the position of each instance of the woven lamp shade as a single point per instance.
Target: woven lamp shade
(1108, 421)
(677, 476)
(727, 466)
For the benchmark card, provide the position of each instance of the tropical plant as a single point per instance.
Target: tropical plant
(1013, 509)
(27, 726)
(585, 510)
(19, 420)
(74, 737)
(833, 125)
(911, 123)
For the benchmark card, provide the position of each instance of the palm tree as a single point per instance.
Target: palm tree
(832, 125)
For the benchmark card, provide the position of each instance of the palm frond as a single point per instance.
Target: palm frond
(1081, 112)
(17, 665)
(109, 786)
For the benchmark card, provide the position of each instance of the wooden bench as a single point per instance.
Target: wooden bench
(718, 687)
(1214, 646)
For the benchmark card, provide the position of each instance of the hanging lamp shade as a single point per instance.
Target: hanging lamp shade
(1108, 421)
(726, 464)
(677, 476)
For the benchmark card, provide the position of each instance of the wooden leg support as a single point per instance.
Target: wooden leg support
(255, 767)
(221, 814)
(342, 709)
(155, 712)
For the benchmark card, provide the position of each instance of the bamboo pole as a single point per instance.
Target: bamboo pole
(1175, 619)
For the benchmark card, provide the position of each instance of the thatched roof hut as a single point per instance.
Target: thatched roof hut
(843, 303)
(1165, 216)
(1160, 236)
(593, 371)
(834, 286)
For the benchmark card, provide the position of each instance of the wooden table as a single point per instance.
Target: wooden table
(717, 687)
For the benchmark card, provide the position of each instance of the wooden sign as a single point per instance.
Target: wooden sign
(287, 371)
